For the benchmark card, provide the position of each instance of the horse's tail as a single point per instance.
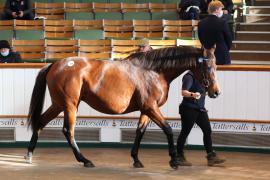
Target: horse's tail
(37, 99)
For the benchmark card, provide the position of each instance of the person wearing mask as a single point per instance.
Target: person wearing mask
(192, 111)
(191, 9)
(7, 55)
(214, 31)
(18, 9)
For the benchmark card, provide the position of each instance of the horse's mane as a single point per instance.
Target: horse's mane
(166, 58)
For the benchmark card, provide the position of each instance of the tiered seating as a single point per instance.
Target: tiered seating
(95, 49)
(6, 29)
(88, 29)
(86, 10)
(50, 10)
(59, 29)
(180, 28)
(80, 11)
(148, 28)
(30, 50)
(163, 11)
(29, 29)
(185, 42)
(107, 11)
(156, 44)
(97, 29)
(118, 29)
(114, 49)
(59, 49)
(123, 48)
(135, 11)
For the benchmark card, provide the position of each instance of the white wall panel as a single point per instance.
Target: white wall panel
(1, 92)
(18, 86)
(8, 92)
(29, 80)
(245, 95)
(263, 95)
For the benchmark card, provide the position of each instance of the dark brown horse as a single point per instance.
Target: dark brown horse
(140, 82)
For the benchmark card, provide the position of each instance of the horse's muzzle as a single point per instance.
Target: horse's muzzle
(215, 95)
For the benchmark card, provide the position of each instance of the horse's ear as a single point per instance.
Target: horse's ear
(212, 50)
(206, 52)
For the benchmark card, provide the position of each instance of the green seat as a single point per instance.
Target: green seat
(43, 1)
(90, 34)
(6, 34)
(79, 15)
(67, 1)
(165, 15)
(123, 1)
(29, 34)
(172, 1)
(108, 15)
(97, 1)
(137, 16)
(149, 1)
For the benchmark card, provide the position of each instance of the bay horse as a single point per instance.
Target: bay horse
(138, 83)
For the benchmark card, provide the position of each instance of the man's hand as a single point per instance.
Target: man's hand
(197, 95)
(21, 14)
(14, 15)
(225, 12)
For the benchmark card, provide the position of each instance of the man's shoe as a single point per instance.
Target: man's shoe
(213, 159)
(182, 161)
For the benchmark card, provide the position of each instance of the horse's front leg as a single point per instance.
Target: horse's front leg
(155, 114)
(68, 130)
(142, 125)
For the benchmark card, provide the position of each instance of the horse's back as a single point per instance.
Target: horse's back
(104, 85)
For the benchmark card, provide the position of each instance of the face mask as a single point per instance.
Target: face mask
(220, 14)
(6, 53)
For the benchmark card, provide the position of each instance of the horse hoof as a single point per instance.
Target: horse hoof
(174, 164)
(138, 164)
(89, 164)
(28, 159)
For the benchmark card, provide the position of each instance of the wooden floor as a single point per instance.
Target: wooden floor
(59, 163)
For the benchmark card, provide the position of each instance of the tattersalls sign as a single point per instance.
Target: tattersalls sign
(132, 123)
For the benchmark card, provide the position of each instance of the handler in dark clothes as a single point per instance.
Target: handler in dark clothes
(7, 55)
(213, 30)
(192, 111)
(18, 9)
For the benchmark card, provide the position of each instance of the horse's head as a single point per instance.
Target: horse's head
(205, 72)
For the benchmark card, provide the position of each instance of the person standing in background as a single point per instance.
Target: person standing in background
(214, 31)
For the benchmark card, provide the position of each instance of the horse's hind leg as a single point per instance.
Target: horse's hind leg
(142, 125)
(68, 130)
(46, 117)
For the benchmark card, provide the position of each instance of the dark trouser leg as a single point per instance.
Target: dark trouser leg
(188, 118)
(204, 124)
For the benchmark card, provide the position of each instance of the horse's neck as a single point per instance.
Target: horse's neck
(170, 75)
